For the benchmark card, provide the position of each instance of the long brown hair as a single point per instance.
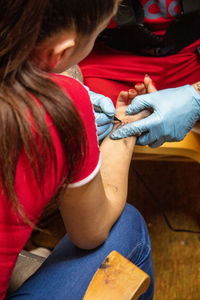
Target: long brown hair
(23, 24)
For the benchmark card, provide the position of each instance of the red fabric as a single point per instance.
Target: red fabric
(112, 24)
(108, 71)
(13, 231)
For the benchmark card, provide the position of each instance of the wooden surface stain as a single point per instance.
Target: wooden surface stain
(105, 264)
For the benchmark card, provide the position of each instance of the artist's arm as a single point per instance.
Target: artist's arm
(90, 211)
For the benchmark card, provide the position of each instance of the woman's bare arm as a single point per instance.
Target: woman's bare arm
(90, 211)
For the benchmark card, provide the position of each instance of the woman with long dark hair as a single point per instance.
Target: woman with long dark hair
(48, 145)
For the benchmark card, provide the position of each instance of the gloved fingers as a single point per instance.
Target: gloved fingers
(103, 134)
(105, 103)
(125, 131)
(139, 103)
(107, 106)
(193, 91)
(104, 128)
(133, 129)
(102, 119)
(157, 143)
(144, 139)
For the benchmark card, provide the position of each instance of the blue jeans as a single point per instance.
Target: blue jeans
(67, 272)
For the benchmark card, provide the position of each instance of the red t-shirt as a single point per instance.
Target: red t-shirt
(14, 232)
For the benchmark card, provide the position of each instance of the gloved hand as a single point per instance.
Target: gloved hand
(103, 120)
(175, 111)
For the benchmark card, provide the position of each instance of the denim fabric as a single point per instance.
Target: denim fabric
(67, 272)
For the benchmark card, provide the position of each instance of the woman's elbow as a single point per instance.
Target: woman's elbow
(89, 242)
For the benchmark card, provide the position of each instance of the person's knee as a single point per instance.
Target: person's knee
(130, 232)
(138, 228)
(132, 222)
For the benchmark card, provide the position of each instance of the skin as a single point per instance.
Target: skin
(126, 97)
(66, 49)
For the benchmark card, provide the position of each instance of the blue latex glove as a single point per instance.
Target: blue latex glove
(175, 111)
(103, 120)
